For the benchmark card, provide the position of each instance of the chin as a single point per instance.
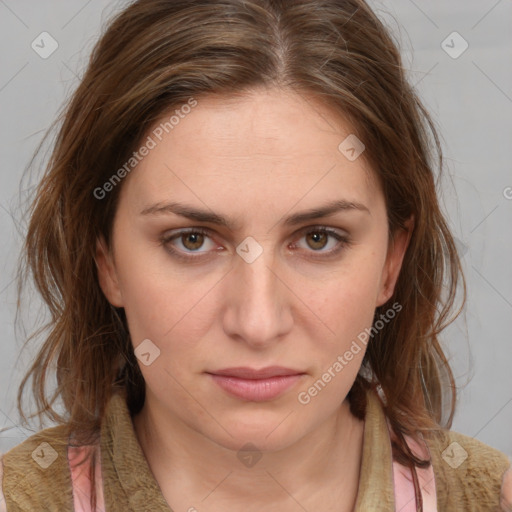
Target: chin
(257, 441)
(269, 432)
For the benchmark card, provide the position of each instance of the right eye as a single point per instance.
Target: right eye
(190, 241)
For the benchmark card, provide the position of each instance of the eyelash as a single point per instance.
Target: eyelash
(165, 240)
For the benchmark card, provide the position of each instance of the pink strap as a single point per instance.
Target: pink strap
(405, 500)
(3, 506)
(81, 480)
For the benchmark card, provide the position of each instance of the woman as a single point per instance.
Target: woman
(240, 244)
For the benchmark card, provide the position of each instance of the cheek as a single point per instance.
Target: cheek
(163, 308)
(348, 316)
(347, 301)
(346, 307)
(166, 306)
(154, 296)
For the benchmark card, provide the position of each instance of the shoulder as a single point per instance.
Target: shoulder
(35, 474)
(470, 475)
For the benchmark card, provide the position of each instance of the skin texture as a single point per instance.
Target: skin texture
(254, 160)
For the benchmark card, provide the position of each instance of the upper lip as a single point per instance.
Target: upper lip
(244, 372)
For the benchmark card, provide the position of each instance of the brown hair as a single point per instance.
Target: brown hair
(154, 56)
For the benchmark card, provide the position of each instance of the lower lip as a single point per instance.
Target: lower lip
(256, 390)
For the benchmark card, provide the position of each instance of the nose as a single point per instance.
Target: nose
(258, 302)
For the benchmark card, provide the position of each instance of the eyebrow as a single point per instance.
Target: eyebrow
(198, 215)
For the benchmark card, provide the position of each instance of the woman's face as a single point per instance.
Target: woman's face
(263, 288)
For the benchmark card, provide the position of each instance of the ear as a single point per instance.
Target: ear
(394, 258)
(107, 273)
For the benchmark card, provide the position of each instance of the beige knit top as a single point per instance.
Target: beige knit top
(128, 484)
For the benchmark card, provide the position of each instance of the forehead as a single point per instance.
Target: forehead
(273, 143)
(273, 122)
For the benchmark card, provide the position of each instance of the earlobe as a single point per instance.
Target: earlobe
(107, 274)
(396, 252)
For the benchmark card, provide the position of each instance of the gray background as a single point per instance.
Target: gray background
(470, 97)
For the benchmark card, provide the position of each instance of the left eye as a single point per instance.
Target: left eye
(319, 238)
(192, 240)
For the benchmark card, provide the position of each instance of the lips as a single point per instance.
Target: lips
(256, 385)
(244, 372)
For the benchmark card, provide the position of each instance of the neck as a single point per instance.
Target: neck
(191, 468)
